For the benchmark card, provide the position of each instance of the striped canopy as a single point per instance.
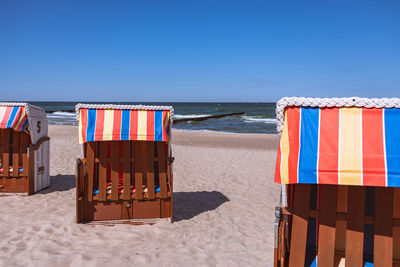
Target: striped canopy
(13, 117)
(346, 146)
(104, 124)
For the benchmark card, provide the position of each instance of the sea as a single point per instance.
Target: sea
(257, 117)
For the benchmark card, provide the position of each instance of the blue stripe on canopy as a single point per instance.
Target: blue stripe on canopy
(308, 145)
(125, 120)
(12, 116)
(91, 125)
(392, 139)
(158, 135)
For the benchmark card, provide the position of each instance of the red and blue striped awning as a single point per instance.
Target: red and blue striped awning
(123, 124)
(346, 146)
(13, 117)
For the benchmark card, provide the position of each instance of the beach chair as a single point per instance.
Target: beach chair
(125, 173)
(339, 166)
(24, 149)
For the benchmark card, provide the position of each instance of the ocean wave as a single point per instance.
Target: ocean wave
(251, 119)
(179, 116)
(63, 122)
(203, 130)
(62, 118)
(61, 114)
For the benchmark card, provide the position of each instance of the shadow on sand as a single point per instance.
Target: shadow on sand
(186, 204)
(190, 204)
(60, 183)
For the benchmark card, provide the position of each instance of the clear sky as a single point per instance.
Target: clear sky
(198, 50)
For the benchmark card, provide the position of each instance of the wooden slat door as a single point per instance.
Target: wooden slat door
(15, 154)
(340, 235)
(396, 227)
(115, 158)
(103, 161)
(355, 225)
(383, 234)
(150, 170)
(6, 151)
(162, 168)
(327, 225)
(90, 158)
(301, 210)
(343, 213)
(126, 162)
(24, 151)
(79, 191)
(140, 168)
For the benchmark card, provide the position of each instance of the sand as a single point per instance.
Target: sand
(224, 199)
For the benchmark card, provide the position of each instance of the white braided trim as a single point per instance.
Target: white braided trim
(22, 104)
(130, 107)
(331, 102)
(15, 104)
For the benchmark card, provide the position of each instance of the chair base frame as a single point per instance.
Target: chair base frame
(23, 183)
(123, 210)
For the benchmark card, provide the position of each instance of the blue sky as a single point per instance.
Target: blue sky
(198, 50)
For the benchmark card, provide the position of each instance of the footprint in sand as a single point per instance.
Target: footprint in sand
(87, 257)
(36, 228)
(21, 231)
(17, 238)
(21, 245)
(4, 249)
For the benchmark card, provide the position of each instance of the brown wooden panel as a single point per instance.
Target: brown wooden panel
(150, 170)
(396, 229)
(126, 210)
(90, 155)
(106, 211)
(31, 170)
(327, 225)
(171, 184)
(114, 169)
(103, 170)
(87, 207)
(15, 153)
(166, 208)
(355, 225)
(280, 253)
(6, 152)
(78, 190)
(146, 209)
(25, 163)
(20, 151)
(301, 207)
(340, 236)
(14, 185)
(162, 169)
(87, 210)
(126, 169)
(383, 231)
(140, 152)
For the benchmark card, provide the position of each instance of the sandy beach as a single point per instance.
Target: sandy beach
(224, 198)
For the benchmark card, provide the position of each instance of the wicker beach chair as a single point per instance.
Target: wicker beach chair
(125, 173)
(339, 166)
(24, 149)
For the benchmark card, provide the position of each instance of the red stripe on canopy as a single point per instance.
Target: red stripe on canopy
(328, 146)
(293, 117)
(373, 147)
